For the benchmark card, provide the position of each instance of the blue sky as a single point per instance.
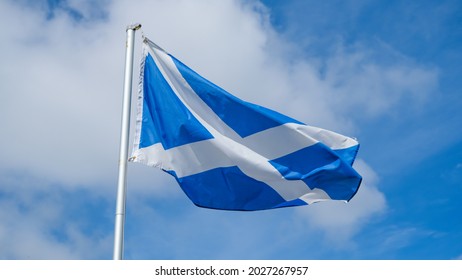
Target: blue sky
(385, 72)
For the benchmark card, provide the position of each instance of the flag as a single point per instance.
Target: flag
(229, 154)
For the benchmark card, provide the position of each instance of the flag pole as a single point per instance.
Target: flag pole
(124, 138)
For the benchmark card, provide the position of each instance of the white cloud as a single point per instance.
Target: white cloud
(61, 98)
(372, 84)
(341, 221)
(63, 80)
(39, 221)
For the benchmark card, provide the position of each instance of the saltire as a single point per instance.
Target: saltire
(229, 154)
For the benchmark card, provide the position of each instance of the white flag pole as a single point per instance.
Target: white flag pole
(124, 138)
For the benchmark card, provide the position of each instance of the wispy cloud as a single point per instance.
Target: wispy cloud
(39, 220)
(342, 221)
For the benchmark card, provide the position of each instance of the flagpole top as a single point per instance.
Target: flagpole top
(134, 26)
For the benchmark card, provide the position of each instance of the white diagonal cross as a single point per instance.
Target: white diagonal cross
(250, 154)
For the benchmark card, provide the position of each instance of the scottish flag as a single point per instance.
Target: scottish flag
(226, 153)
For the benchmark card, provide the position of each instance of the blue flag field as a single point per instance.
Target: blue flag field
(229, 154)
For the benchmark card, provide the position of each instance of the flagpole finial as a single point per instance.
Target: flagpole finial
(134, 26)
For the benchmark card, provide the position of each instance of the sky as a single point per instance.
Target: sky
(385, 72)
